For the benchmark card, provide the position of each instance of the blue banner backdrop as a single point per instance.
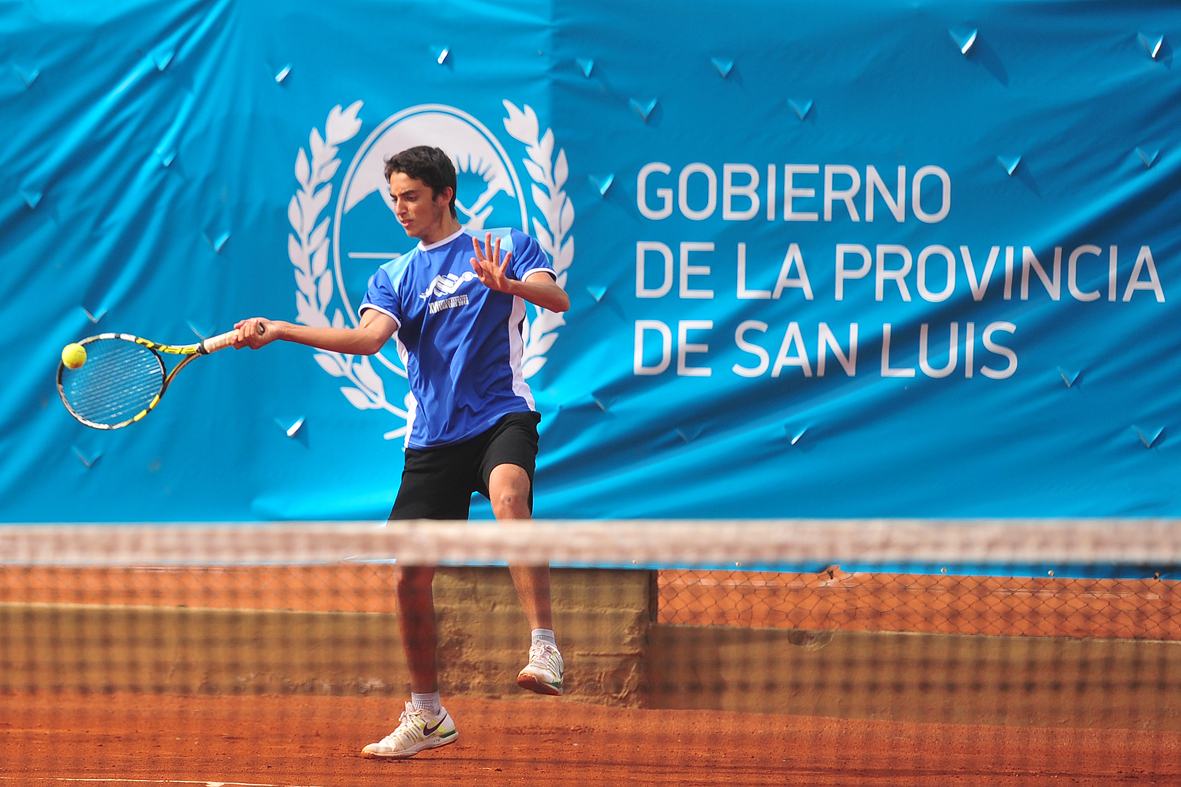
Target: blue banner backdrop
(848, 259)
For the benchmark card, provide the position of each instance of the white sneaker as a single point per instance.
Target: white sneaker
(417, 730)
(543, 673)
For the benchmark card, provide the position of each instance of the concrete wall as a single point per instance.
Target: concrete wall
(953, 678)
(602, 618)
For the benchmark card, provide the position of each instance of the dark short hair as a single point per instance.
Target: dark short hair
(430, 165)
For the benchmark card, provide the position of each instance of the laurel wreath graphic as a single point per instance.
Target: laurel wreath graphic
(308, 249)
(558, 210)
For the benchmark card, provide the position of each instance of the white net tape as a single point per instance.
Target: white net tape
(605, 543)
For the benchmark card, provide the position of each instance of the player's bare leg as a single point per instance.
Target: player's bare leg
(508, 489)
(425, 724)
(416, 622)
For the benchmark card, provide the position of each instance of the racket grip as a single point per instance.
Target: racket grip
(224, 340)
(219, 342)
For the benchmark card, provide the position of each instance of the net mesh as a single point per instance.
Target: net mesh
(119, 379)
(827, 652)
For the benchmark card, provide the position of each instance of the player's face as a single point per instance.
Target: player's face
(421, 214)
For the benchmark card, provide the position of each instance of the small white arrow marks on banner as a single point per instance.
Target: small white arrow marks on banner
(587, 65)
(597, 292)
(604, 401)
(964, 38)
(801, 108)
(1147, 156)
(1009, 163)
(293, 429)
(441, 53)
(28, 77)
(602, 182)
(644, 108)
(89, 462)
(723, 65)
(1148, 436)
(216, 243)
(94, 318)
(162, 59)
(1152, 43)
(283, 73)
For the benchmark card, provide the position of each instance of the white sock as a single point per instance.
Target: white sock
(429, 702)
(544, 635)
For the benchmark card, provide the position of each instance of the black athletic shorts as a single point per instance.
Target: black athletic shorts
(437, 483)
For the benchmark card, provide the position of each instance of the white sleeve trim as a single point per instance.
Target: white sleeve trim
(386, 312)
(548, 269)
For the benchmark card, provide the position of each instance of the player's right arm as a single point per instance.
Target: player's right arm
(366, 339)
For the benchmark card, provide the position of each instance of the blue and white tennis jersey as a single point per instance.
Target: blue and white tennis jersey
(460, 341)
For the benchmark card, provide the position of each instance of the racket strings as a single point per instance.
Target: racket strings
(118, 381)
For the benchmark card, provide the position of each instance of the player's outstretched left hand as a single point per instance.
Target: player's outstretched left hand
(492, 272)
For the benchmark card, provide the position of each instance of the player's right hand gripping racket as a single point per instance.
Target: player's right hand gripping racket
(124, 377)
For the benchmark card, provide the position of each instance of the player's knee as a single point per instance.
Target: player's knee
(509, 489)
(511, 504)
(510, 497)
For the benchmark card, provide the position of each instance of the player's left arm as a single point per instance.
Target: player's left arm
(539, 287)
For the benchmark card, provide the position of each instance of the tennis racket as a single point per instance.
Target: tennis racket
(124, 376)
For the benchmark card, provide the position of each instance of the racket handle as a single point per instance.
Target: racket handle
(224, 340)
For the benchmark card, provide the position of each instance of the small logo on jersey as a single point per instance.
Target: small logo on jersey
(447, 303)
(364, 235)
(446, 284)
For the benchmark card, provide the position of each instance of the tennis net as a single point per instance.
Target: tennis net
(696, 652)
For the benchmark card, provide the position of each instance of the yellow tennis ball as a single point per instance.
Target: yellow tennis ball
(73, 356)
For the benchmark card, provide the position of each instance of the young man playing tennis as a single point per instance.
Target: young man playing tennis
(458, 320)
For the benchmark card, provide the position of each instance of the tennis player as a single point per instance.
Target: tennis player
(456, 303)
